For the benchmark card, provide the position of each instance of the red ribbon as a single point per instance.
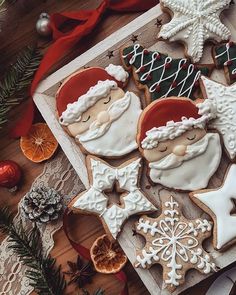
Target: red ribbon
(85, 253)
(87, 20)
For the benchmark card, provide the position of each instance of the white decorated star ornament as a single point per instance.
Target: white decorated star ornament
(194, 22)
(220, 102)
(105, 178)
(220, 204)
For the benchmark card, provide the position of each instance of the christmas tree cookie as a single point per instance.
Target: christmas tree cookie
(175, 243)
(160, 75)
(224, 56)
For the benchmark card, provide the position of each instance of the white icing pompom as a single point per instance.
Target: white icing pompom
(117, 72)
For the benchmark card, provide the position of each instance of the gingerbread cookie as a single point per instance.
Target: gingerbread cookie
(193, 23)
(219, 204)
(221, 106)
(103, 178)
(95, 110)
(160, 75)
(175, 243)
(180, 153)
(224, 56)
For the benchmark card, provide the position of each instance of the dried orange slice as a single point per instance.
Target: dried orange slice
(107, 255)
(39, 144)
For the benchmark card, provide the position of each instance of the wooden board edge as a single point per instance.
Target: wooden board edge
(45, 105)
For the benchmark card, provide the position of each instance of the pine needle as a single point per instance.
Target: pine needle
(45, 277)
(17, 80)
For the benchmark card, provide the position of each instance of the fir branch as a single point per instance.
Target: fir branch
(17, 79)
(45, 277)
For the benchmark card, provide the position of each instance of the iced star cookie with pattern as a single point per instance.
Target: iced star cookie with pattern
(220, 203)
(220, 106)
(123, 181)
(161, 76)
(175, 243)
(193, 23)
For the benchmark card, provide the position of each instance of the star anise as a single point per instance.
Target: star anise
(81, 272)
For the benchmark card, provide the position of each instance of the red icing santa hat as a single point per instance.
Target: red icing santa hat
(84, 88)
(167, 119)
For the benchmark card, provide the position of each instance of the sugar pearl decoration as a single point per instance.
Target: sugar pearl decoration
(43, 25)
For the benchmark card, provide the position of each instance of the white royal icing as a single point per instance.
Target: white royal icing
(120, 138)
(194, 22)
(175, 242)
(186, 173)
(220, 204)
(172, 130)
(74, 110)
(95, 200)
(185, 89)
(115, 110)
(221, 101)
(117, 72)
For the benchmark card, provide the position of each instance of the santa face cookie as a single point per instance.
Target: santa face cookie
(193, 23)
(224, 56)
(175, 243)
(173, 139)
(220, 106)
(160, 75)
(96, 111)
(219, 204)
(122, 180)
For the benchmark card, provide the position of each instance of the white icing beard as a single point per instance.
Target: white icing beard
(119, 137)
(192, 171)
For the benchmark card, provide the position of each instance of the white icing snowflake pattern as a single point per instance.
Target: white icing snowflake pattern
(175, 243)
(194, 22)
(104, 177)
(221, 102)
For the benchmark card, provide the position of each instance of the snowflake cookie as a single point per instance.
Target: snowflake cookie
(175, 243)
(104, 178)
(220, 204)
(194, 22)
(161, 76)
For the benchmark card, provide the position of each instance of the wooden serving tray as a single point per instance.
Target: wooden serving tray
(146, 27)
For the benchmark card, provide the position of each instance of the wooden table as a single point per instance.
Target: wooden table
(21, 29)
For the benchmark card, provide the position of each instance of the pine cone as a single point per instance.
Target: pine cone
(42, 204)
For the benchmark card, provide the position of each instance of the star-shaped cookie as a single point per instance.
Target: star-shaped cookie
(221, 104)
(219, 204)
(175, 243)
(104, 178)
(194, 22)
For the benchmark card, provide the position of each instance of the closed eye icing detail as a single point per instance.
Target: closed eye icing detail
(163, 150)
(192, 138)
(109, 99)
(86, 119)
